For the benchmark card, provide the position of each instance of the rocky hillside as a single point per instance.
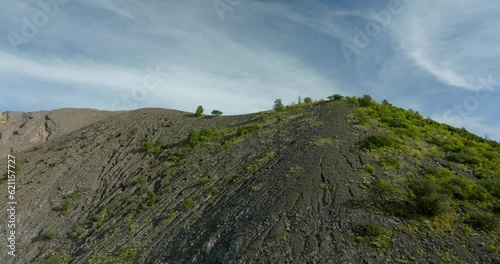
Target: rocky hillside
(20, 131)
(340, 181)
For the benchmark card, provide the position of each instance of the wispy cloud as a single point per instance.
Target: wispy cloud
(93, 53)
(456, 42)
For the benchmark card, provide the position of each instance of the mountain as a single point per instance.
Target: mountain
(21, 131)
(340, 181)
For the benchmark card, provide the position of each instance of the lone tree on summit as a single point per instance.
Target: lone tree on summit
(199, 111)
(278, 105)
(216, 113)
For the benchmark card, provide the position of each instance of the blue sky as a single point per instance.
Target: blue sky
(438, 57)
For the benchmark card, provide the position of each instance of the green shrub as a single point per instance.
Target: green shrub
(278, 105)
(371, 230)
(335, 97)
(352, 100)
(194, 137)
(171, 214)
(54, 259)
(388, 161)
(427, 198)
(399, 123)
(199, 111)
(189, 202)
(483, 222)
(214, 190)
(49, 234)
(204, 180)
(365, 101)
(463, 158)
(308, 100)
(216, 113)
(148, 146)
(244, 130)
(383, 188)
(323, 141)
(152, 198)
(463, 188)
(369, 168)
(492, 186)
(376, 141)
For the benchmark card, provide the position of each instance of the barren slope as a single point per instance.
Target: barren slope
(21, 131)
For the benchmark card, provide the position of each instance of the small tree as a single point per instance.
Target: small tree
(216, 113)
(365, 101)
(278, 105)
(352, 100)
(308, 100)
(299, 100)
(199, 111)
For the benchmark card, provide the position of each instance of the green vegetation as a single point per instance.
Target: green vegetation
(376, 141)
(55, 259)
(49, 234)
(428, 198)
(389, 161)
(467, 178)
(216, 113)
(78, 230)
(483, 222)
(171, 214)
(189, 202)
(197, 136)
(152, 198)
(308, 100)
(335, 97)
(278, 105)
(69, 198)
(323, 141)
(126, 254)
(365, 101)
(248, 129)
(383, 188)
(204, 180)
(369, 168)
(371, 230)
(199, 111)
(374, 234)
(153, 149)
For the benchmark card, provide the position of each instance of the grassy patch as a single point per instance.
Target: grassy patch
(322, 141)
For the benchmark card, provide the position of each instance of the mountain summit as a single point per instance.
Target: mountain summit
(341, 181)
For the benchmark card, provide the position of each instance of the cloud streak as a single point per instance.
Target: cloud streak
(432, 56)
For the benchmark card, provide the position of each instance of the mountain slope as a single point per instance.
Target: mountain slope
(20, 131)
(304, 184)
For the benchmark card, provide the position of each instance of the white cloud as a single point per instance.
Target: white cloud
(456, 42)
(70, 73)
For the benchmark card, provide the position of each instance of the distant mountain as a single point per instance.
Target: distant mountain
(340, 181)
(20, 131)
